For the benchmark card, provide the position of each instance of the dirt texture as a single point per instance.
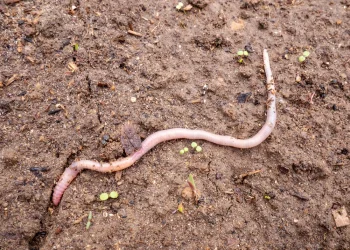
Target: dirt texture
(71, 76)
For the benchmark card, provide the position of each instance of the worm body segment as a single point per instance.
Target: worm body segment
(176, 133)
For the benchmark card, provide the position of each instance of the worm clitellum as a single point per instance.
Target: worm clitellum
(176, 133)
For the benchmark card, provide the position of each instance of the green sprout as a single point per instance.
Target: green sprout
(304, 56)
(114, 194)
(191, 181)
(179, 6)
(76, 46)
(267, 197)
(88, 224)
(241, 54)
(198, 149)
(180, 208)
(186, 149)
(103, 196)
(301, 59)
(194, 144)
(306, 53)
(192, 185)
(182, 152)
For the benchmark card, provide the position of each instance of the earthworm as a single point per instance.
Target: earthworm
(176, 133)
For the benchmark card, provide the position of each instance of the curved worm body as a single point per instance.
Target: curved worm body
(176, 133)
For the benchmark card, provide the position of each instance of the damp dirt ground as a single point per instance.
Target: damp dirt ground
(71, 75)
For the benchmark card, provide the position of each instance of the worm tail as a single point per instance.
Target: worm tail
(67, 177)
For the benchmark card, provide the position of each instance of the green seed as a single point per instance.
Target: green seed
(306, 53)
(88, 224)
(245, 53)
(301, 59)
(240, 52)
(198, 148)
(193, 144)
(114, 194)
(240, 60)
(103, 196)
(182, 152)
(186, 149)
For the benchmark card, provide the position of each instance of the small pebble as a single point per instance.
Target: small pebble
(133, 99)
(37, 197)
(342, 75)
(105, 137)
(122, 213)
(116, 205)
(89, 198)
(298, 78)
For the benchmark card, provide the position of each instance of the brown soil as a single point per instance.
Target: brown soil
(50, 116)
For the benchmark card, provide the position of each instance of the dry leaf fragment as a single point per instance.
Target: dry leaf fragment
(72, 67)
(188, 7)
(341, 217)
(19, 46)
(30, 59)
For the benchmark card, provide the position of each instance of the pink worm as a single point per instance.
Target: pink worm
(176, 133)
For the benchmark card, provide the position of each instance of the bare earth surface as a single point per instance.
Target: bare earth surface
(51, 116)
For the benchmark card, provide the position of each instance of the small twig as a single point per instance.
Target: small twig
(241, 177)
(155, 27)
(135, 33)
(311, 96)
(80, 219)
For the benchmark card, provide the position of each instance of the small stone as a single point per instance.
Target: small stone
(105, 137)
(10, 156)
(116, 205)
(187, 193)
(341, 217)
(133, 99)
(37, 197)
(218, 176)
(118, 175)
(89, 198)
(120, 182)
(298, 78)
(5, 204)
(122, 213)
(343, 75)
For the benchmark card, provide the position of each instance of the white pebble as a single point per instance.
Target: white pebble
(133, 99)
